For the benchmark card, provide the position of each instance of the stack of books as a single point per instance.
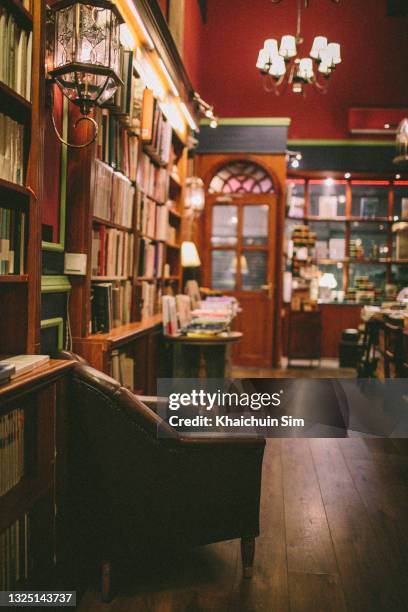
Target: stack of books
(14, 554)
(111, 305)
(156, 131)
(11, 449)
(11, 149)
(114, 196)
(151, 259)
(12, 241)
(112, 253)
(15, 54)
(153, 180)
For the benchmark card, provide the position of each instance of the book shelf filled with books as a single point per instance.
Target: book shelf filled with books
(21, 71)
(358, 230)
(127, 196)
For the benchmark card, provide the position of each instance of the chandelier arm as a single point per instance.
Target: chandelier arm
(319, 86)
(77, 122)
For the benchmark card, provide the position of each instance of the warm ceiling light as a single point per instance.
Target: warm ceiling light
(282, 64)
(170, 81)
(189, 117)
(329, 182)
(347, 175)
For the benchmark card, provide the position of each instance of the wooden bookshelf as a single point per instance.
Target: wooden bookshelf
(23, 17)
(140, 336)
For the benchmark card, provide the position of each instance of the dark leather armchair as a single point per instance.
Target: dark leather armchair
(136, 493)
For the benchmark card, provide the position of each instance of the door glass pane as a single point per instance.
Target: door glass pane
(224, 225)
(254, 266)
(255, 225)
(224, 269)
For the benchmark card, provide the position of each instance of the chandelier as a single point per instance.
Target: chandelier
(282, 65)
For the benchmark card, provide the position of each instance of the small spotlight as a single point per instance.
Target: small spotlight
(396, 218)
(295, 163)
(387, 126)
(209, 114)
(397, 176)
(214, 123)
(329, 182)
(347, 175)
(299, 156)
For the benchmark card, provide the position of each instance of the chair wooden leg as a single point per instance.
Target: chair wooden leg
(247, 555)
(106, 581)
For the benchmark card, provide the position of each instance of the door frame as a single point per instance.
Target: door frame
(206, 166)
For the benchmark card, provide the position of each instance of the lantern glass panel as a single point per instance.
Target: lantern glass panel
(89, 35)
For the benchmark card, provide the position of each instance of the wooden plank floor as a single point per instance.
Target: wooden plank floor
(334, 537)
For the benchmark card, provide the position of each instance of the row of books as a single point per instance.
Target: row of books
(153, 180)
(128, 99)
(11, 449)
(14, 554)
(151, 258)
(15, 55)
(112, 252)
(12, 241)
(114, 196)
(111, 305)
(153, 219)
(156, 131)
(116, 146)
(123, 369)
(11, 150)
(151, 299)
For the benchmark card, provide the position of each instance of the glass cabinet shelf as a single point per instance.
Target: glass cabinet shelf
(353, 222)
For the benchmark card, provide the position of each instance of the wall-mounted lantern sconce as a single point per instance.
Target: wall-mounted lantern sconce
(84, 55)
(195, 194)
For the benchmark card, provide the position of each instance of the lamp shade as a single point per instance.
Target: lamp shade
(271, 48)
(333, 49)
(86, 52)
(328, 280)
(195, 194)
(263, 59)
(278, 67)
(287, 47)
(305, 70)
(189, 255)
(319, 44)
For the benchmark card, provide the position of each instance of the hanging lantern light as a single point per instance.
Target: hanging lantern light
(195, 194)
(84, 57)
(402, 143)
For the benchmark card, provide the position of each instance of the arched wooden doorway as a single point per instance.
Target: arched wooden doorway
(241, 242)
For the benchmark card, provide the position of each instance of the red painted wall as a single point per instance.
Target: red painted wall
(194, 29)
(221, 55)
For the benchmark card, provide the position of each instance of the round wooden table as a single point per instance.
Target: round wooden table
(203, 356)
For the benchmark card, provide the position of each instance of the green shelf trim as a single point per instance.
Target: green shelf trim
(55, 284)
(260, 121)
(341, 143)
(58, 322)
(59, 247)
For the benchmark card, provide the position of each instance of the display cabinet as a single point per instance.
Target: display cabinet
(358, 223)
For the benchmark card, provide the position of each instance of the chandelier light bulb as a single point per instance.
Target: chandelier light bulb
(271, 47)
(288, 46)
(333, 49)
(278, 67)
(263, 60)
(305, 70)
(319, 45)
